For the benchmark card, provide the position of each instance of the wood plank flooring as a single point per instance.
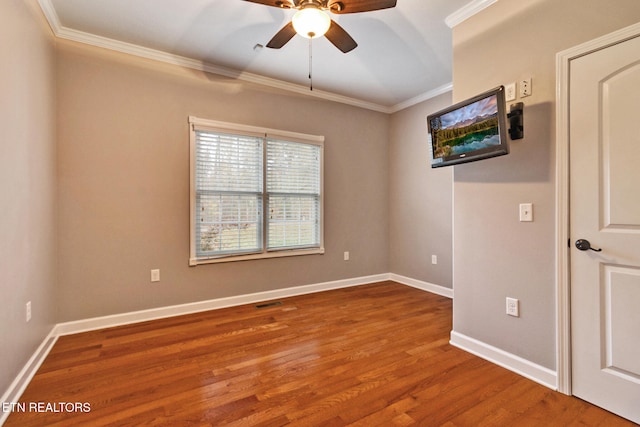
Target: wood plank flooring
(373, 355)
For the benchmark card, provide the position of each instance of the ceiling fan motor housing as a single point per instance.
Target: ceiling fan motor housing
(335, 6)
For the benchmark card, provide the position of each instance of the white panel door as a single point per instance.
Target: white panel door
(604, 146)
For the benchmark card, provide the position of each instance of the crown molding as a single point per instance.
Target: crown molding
(423, 97)
(467, 12)
(51, 15)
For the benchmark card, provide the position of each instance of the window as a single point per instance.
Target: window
(255, 193)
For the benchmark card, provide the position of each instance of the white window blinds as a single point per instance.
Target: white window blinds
(293, 195)
(252, 195)
(229, 187)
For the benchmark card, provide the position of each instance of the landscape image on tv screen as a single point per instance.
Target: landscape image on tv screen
(469, 128)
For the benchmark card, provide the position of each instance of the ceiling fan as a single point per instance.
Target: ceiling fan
(312, 21)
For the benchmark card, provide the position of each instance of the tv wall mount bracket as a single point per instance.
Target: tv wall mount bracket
(516, 121)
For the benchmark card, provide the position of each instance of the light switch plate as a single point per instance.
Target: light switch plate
(526, 212)
(510, 92)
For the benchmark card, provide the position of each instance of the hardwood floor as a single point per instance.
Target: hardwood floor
(365, 356)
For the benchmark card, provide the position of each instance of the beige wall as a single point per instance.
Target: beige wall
(124, 184)
(420, 211)
(495, 255)
(27, 184)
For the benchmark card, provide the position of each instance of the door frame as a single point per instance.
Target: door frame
(563, 257)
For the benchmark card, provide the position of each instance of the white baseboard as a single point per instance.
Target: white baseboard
(514, 363)
(425, 286)
(24, 377)
(214, 304)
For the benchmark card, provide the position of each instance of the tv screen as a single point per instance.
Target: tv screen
(471, 130)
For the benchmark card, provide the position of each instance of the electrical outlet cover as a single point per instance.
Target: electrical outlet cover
(525, 87)
(513, 307)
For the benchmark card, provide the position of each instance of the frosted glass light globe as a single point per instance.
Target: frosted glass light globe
(311, 22)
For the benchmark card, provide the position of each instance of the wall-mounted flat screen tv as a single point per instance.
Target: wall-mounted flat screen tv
(471, 130)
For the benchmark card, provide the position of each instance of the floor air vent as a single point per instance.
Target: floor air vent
(269, 304)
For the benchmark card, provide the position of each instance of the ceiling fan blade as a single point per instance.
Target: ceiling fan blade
(282, 37)
(285, 4)
(340, 38)
(354, 6)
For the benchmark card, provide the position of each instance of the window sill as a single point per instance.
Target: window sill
(268, 255)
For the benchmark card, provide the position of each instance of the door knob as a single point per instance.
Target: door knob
(584, 245)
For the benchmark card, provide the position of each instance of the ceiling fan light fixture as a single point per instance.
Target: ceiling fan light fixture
(311, 22)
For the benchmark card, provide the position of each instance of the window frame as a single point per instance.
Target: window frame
(199, 124)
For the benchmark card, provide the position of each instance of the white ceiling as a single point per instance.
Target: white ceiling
(404, 54)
